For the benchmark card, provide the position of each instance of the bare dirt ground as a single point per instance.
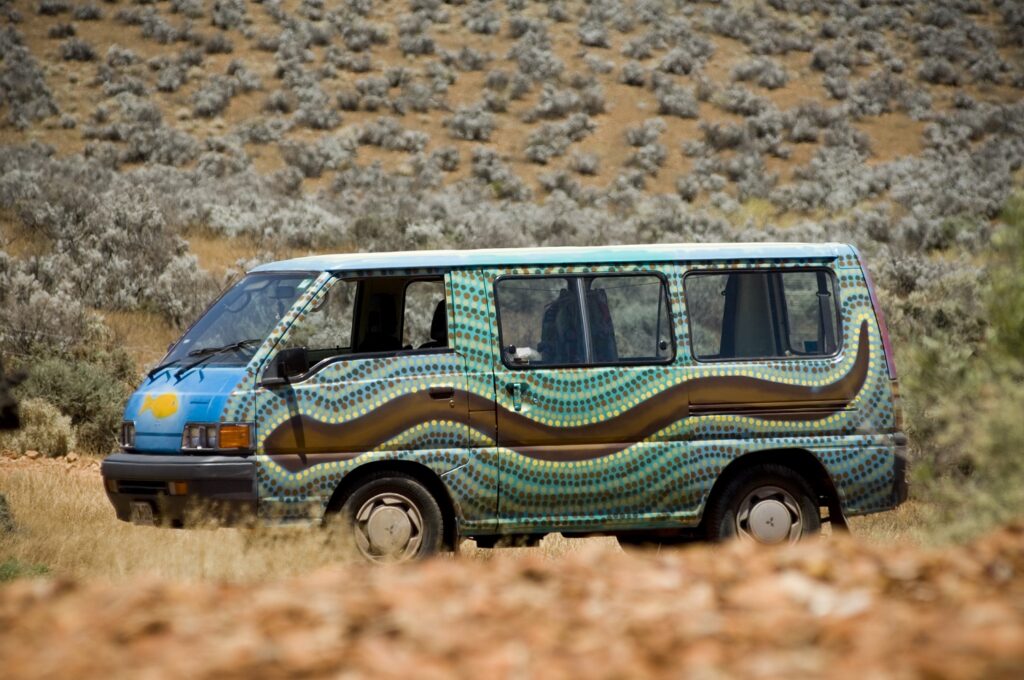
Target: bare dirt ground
(845, 606)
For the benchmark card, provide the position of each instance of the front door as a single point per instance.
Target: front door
(581, 359)
(383, 383)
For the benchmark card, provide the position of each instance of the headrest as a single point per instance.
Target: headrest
(439, 323)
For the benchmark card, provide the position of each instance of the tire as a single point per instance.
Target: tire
(768, 504)
(390, 518)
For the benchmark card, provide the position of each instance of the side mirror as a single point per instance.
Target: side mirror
(287, 364)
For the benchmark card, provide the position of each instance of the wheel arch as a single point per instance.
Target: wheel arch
(421, 473)
(800, 461)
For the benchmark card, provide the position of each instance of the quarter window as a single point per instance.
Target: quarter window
(625, 320)
(762, 314)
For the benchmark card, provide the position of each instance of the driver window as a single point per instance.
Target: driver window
(326, 330)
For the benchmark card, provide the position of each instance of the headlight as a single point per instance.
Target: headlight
(127, 435)
(217, 436)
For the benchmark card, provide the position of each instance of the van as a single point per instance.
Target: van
(654, 393)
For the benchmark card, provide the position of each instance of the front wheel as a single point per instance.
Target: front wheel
(391, 517)
(768, 504)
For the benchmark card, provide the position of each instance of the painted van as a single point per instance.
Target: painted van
(653, 393)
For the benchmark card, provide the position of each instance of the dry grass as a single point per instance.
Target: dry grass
(66, 524)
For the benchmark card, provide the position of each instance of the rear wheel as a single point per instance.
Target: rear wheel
(768, 504)
(391, 517)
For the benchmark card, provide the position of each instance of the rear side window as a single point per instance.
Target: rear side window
(597, 320)
(762, 314)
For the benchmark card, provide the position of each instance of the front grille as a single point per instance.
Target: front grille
(138, 488)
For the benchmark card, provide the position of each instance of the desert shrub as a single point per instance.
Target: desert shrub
(471, 123)
(228, 14)
(648, 158)
(765, 72)
(687, 187)
(360, 35)
(245, 80)
(492, 171)
(43, 428)
(348, 61)
(553, 139)
(279, 101)
(388, 133)
(969, 468)
(218, 43)
(585, 163)
(481, 17)
(562, 181)
(90, 392)
(647, 132)
(593, 34)
(598, 65)
(939, 71)
(633, 73)
(446, 158)
(739, 100)
(555, 103)
(52, 8)
(61, 31)
(534, 58)
(557, 11)
(467, 59)
(87, 13)
(75, 49)
(213, 96)
(193, 9)
(676, 100)
(119, 57)
(831, 55)
(22, 86)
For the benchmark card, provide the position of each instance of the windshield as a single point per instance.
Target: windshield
(234, 327)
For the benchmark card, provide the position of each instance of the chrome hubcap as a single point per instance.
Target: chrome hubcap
(388, 528)
(769, 515)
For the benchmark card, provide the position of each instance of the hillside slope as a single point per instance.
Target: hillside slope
(150, 149)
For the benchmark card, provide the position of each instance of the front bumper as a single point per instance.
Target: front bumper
(219, 488)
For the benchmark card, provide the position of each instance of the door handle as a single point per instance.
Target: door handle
(441, 392)
(518, 391)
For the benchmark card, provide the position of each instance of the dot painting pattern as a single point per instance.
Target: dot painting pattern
(661, 481)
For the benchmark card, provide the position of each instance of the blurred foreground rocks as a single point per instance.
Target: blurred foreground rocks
(832, 608)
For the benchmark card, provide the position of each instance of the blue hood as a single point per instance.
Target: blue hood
(163, 404)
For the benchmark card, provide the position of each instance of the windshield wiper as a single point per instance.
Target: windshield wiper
(207, 353)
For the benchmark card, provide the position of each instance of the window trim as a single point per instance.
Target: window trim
(840, 330)
(584, 318)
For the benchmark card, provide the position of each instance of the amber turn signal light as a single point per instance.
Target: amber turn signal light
(177, 488)
(235, 437)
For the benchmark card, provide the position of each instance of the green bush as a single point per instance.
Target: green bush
(965, 396)
(43, 428)
(90, 391)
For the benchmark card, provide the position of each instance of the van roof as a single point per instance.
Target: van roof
(566, 255)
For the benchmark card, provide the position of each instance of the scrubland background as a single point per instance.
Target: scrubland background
(151, 151)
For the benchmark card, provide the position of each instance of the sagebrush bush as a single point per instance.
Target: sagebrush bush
(43, 428)
(471, 122)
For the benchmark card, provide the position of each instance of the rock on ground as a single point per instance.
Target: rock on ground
(835, 608)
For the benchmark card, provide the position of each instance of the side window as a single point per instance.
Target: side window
(326, 331)
(757, 314)
(810, 308)
(425, 321)
(540, 321)
(629, 319)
